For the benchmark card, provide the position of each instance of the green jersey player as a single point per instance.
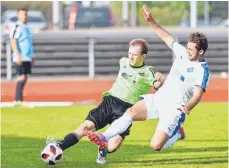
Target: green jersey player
(134, 79)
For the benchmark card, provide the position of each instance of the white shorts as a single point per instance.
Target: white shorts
(170, 118)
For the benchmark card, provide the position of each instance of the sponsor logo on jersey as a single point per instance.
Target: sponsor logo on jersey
(130, 78)
(190, 69)
(182, 78)
(142, 74)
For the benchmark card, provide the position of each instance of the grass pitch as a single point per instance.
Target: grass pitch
(24, 132)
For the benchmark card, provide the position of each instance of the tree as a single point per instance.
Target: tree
(166, 13)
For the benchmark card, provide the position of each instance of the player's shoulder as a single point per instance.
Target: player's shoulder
(123, 60)
(178, 45)
(202, 67)
(203, 64)
(179, 50)
(15, 26)
(14, 29)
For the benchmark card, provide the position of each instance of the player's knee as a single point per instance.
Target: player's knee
(131, 112)
(84, 128)
(156, 146)
(89, 125)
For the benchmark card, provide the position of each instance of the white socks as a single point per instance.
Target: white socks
(172, 141)
(118, 126)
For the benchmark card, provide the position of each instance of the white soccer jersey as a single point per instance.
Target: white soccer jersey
(183, 76)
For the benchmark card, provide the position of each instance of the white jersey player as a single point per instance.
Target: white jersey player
(180, 93)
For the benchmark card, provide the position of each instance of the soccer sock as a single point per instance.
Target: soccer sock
(118, 126)
(172, 141)
(19, 91)
(103, 152)
(69, 140)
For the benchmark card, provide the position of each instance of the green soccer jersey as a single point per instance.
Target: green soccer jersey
(132, 82)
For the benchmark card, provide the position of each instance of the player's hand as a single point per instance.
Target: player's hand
(147, 14)
(33, 60)
(160, 77)
(19, 62)
(184, 109)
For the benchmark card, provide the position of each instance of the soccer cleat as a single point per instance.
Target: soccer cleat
(17, 104)
(101, 158)
(98, 139)
(22, 104)
(182, 133)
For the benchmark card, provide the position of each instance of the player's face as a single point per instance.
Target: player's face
(22, 16)
(193, 53)
(135, 56)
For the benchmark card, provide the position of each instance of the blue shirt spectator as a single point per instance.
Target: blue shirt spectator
(22, 33)
(22, 46)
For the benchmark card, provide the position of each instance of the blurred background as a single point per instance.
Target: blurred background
(86, 39)
(90, 14)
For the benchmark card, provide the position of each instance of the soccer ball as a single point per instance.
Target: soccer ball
(52, 154)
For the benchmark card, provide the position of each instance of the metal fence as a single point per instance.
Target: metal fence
(97, 53)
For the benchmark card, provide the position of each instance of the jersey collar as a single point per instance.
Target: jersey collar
(137, 66)
(203, 60)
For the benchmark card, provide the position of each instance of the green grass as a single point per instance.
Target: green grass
(24, 132)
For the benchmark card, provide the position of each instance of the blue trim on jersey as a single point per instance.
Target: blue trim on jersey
(203, 60)
(182, 78)
(181, 120)
(205, 76)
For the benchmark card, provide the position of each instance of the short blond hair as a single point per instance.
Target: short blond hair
(140, 42)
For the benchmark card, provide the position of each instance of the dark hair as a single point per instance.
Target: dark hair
(142, 43)
(200, 40)
(22, 9)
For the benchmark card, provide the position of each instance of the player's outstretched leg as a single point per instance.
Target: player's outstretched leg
(166, 136)
(180, 135)
(98, 139)
(73, 137)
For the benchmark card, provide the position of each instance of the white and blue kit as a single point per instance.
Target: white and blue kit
(177, 90)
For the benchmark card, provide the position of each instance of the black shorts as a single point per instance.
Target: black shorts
(23, 69)
(109, 110)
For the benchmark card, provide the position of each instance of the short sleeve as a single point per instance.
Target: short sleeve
(123, 61)
(179, 50)
(15, 32)
(203, 77)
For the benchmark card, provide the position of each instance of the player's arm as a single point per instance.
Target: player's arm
(201, 83)
(14, 47)
(15, 33)
(160, 78)
(197, 95)
(159, 30)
